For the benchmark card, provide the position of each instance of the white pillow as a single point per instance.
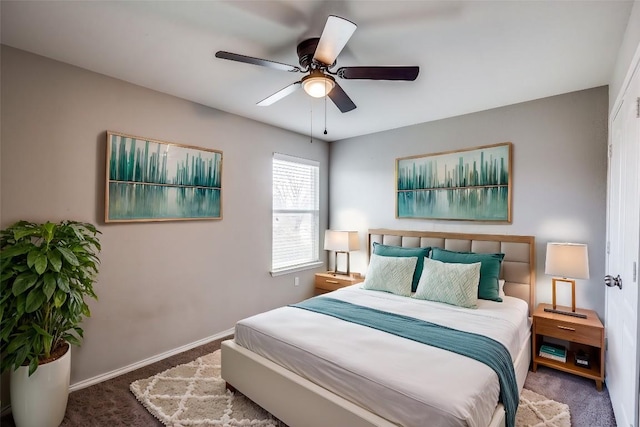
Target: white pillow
(390, 274)
(455, 284)
(501, 288)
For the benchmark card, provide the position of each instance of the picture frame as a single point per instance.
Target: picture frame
(152, 180)
(473, 184)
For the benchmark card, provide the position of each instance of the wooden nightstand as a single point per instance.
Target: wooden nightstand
(577, 334)
(329, 281)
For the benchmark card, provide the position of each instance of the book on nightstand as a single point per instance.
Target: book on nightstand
(554, 352)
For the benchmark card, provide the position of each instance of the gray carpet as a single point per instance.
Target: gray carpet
(588, 406)
(111, 404)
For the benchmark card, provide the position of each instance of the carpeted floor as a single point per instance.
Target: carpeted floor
(588, 406)
(112, 404)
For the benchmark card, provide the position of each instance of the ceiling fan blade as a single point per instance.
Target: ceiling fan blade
(341, 99)
(379, 73)
(279, 94)
(256, 61)
(337, 32)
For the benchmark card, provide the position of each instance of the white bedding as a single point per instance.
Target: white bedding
(406, 382)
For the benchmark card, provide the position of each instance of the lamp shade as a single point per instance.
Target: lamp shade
(341, 241)
(569, 260)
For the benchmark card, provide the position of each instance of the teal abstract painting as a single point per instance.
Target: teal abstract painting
(472, 185)
(149, 180)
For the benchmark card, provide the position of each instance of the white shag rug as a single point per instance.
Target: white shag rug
(535, 410)
(193, 394)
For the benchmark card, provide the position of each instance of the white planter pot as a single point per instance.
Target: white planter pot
(40, 400)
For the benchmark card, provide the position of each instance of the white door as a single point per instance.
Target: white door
(623, 236)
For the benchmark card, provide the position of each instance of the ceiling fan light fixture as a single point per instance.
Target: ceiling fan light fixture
(318, 85)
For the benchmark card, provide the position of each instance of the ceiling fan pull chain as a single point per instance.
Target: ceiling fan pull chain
(325, 113)
(311, 122)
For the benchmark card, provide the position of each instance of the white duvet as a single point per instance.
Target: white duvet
(406, 382)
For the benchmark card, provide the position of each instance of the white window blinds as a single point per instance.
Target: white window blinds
(295, 212)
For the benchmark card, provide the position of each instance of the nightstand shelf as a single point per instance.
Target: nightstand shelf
(592, 373)
(330, 281)
(576, 334)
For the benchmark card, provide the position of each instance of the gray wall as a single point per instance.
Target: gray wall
(161, 285)
(559, 179)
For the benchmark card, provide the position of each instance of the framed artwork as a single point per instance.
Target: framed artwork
(149, 180)
(466, 185)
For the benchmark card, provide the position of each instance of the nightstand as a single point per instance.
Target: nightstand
(329, 281)
(576, 334)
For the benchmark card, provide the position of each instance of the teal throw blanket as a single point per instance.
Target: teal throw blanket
(481, 348)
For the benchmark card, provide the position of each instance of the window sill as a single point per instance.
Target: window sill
(287, 270)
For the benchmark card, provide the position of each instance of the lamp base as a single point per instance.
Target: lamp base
(566, 313)
(335, 269)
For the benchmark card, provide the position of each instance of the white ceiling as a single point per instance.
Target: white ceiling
(473, 55)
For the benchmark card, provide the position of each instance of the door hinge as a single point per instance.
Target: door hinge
(606, 344)
(608, 247)
(635, 271)
(610, 150)
(638, 107)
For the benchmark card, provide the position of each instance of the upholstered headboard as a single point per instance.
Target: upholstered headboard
(518, 267)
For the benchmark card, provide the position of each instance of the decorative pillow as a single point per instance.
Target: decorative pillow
(390, 274)
(399, 251)
(455, 284)
(501, 288)
(489, 271)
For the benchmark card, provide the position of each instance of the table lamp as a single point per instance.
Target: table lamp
(341, 242)
(570, 261)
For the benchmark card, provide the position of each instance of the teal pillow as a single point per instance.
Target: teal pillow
(399, 251)
(489, 287)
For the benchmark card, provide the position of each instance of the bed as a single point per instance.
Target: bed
(362, 376)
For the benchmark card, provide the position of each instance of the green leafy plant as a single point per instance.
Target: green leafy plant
(46, 272)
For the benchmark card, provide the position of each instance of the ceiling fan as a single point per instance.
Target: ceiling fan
(317, 57)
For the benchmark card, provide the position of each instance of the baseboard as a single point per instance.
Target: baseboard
(117, 372)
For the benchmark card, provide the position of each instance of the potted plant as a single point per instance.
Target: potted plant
(47, 271)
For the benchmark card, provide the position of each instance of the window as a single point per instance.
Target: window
(296, 213)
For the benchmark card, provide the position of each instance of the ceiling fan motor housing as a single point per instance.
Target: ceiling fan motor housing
(306, 50)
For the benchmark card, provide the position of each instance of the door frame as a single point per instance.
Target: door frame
(634, 67)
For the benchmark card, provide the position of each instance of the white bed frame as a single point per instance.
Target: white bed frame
(299, 402)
